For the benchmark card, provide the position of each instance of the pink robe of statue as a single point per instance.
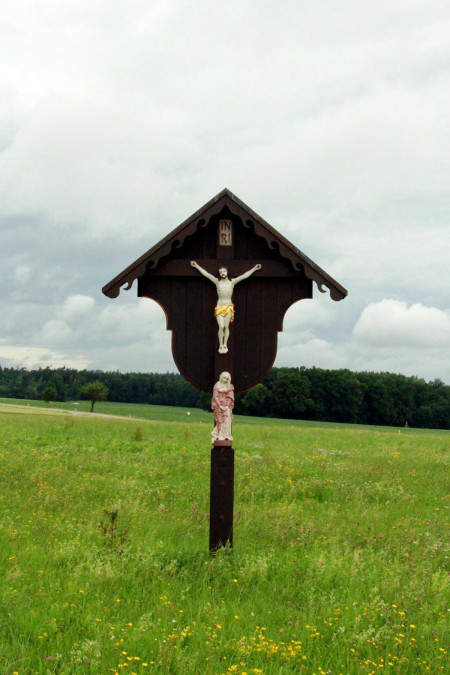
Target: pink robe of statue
(223, 395)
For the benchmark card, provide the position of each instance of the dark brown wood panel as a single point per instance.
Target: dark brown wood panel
(288, 292)
(179, 334)
(194, 356)
(159, 290)
(268, 327)
(260, 303)
(254, 292)
(260, 307)
(182, 268)
(207, 295)
(242, 246)
(176, 244)
(240, 369)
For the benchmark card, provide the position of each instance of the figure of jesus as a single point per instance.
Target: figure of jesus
(224, 310)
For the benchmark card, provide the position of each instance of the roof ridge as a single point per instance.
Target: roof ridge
(300, 261)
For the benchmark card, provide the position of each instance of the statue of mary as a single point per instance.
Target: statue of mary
(222, 404)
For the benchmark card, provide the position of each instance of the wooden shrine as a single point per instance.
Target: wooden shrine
(225, 279)
(224, 233)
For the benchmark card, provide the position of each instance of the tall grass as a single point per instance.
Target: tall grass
(340, 562)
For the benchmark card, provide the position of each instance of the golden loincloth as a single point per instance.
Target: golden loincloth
(224, 310)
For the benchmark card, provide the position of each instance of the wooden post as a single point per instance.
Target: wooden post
(221, 495)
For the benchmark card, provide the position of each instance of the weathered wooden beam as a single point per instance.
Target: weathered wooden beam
(221, 495)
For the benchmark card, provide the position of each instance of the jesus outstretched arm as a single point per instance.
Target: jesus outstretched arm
(246, 275)
(204, 272)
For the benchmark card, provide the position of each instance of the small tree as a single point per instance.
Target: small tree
(95, 391)
(49, 394)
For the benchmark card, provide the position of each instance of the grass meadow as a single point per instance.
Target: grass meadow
(339, 563)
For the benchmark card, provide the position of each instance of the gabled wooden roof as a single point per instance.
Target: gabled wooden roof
(300, 262)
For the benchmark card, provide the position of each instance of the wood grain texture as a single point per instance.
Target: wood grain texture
(189, 300)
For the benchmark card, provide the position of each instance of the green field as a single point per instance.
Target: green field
(162, 413)
(339, 566)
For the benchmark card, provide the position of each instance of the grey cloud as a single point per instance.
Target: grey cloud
(329, 120)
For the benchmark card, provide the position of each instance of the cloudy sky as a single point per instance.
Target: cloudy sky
(330, 119)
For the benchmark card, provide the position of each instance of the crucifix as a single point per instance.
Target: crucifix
(224, 310)
(224, 242)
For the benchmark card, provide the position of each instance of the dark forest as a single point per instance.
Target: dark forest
(293, 393)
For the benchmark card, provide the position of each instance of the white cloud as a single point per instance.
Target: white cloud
(76, 305)
(429, 364)
(35, 357)
(311, 313)
(11, 115)
(124, 322)
(388, 336)
(313, 352)
(23, 274)
(392, 324)
(151, 353)
(56, 332)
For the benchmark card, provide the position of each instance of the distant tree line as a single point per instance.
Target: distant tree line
(156, 388)
(294, 393)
